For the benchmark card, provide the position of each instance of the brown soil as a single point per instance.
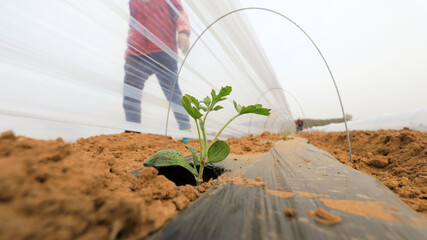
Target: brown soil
(322, 216)
(240, 181)
(397, 158)
(368, 209)
(281, 194)
(310, 195)
(54, 190)
(290, 212)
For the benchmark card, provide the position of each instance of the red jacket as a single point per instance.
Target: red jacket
(159, 19)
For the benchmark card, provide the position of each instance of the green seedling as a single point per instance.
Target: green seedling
(217, 150)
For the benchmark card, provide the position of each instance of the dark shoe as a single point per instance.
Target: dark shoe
(129, 131)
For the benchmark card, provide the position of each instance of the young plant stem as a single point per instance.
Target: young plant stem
(200, 139)
(201, 157)
(206, 115)
(220, 131)
(205, 141)
(196, 177)
(203, 153)
(200, 178)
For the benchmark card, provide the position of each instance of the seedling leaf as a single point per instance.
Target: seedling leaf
(194, 101)
(207, 101)
(204, 108)
(186, 102)
(217, 108)
(256, 109)
(218, 151)
(170, 157)
(237, 106)
(225, 91)
(196, 158)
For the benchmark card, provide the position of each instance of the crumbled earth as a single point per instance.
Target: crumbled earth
(54, 190)
(127, 151)
(290, 212)
(322, 216)
(378, 210)
(397, 158)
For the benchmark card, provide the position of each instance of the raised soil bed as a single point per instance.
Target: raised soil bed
(54, 190)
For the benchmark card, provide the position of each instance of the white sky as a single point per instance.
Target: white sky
(376, 50)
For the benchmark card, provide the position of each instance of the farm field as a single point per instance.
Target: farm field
(55, 190)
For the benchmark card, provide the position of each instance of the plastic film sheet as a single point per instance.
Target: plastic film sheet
(307, 179)
(111, 65)
(414, 119)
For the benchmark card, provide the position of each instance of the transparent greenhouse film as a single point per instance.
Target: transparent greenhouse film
(113, 65)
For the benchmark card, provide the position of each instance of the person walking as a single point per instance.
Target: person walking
(300, 124)
(156, 31)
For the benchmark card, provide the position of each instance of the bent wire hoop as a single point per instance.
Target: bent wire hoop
(302, 30)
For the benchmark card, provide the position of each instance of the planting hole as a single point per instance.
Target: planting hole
(181, 176)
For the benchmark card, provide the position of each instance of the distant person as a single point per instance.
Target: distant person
(144, 57)
(300, 124)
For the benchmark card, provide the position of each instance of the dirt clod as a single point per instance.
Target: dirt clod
(189, 192)
(181, 202)
(290, 212)
(378, 162)
(322, 216)
(8, 135)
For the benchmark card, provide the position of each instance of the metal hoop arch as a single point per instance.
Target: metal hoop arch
(302, 30)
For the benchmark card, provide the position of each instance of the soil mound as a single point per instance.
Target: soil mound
(54, 190)
(397, 158)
